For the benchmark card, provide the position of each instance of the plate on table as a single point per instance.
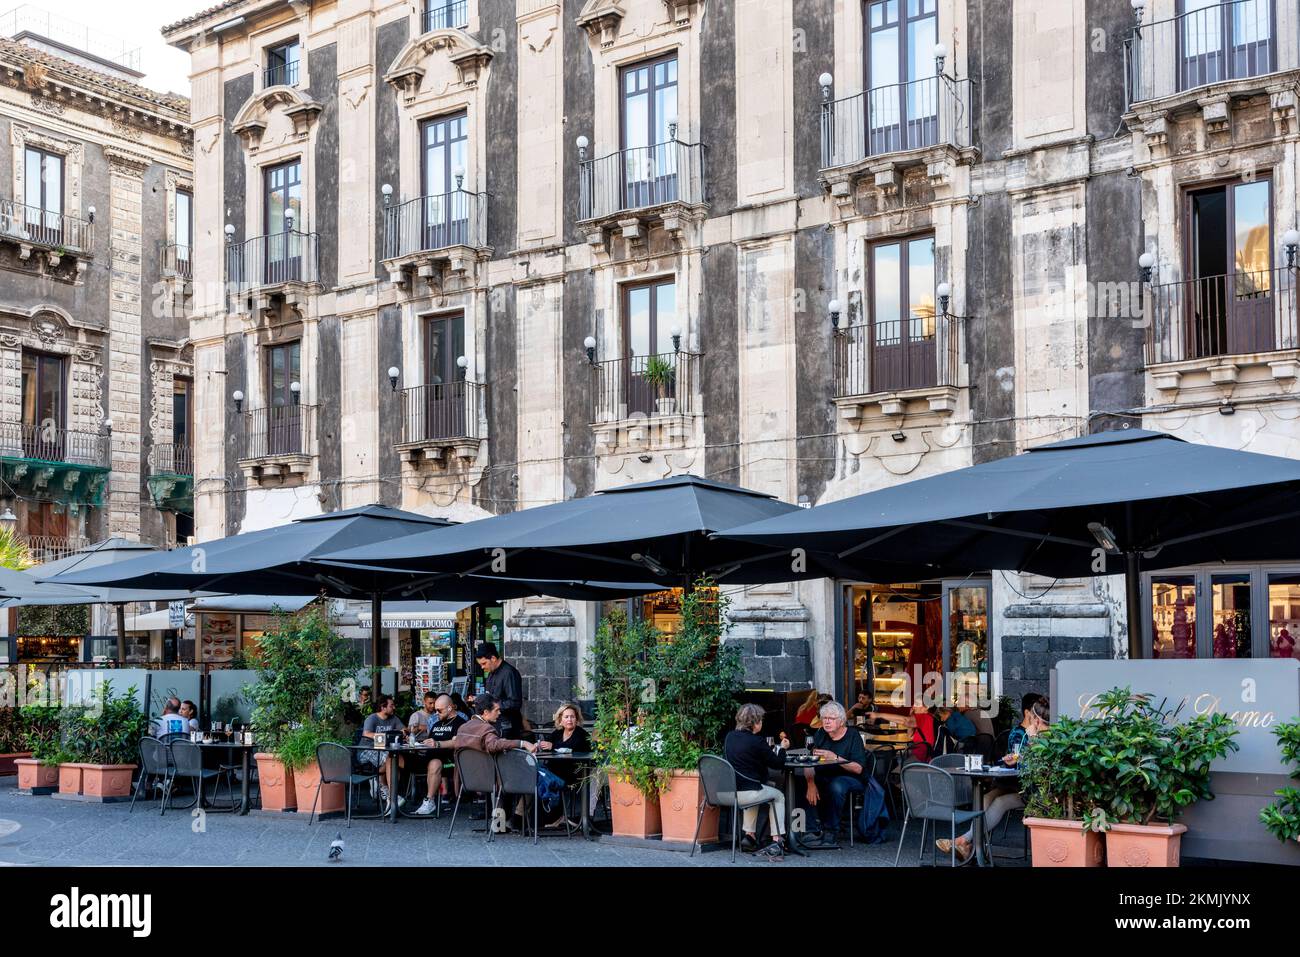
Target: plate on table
(563, 750)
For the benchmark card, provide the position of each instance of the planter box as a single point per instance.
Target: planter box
(36, 778)
(1064, 843)
(103, 783)
(1144, 845)
(679, 808)
(332, 796)
(70, 780)
(7, 762)
(633, 814)
(275, 782)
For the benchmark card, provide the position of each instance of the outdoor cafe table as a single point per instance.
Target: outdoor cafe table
(580, 758)
(394, 751)
(792, 768)
(230, 748)
(993, 775)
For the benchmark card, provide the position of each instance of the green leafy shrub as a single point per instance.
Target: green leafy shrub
(1282, 817)
(41, 732)
(1061, 773)
(298, 747)
(107, 733)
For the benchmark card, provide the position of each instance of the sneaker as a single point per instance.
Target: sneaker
(425, 808)
(772, 853)
(383, 795)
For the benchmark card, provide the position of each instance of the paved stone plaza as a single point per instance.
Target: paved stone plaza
(49, 831)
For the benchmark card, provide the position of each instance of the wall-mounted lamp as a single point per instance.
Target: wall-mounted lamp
(835, 313)
(295, 389)
(239, 401)
(582, 143)
(90, 213)
(1139, 7)
(672, 131)
(940, 56)
(459, 173)
(589, 344)
(7, 518)
(1291, 242)
(108, 427)
(393, 373)
(387, 190)
(289, 215)
(1227, 408)
(677, 338)
(230, 232)
(825, 81)
(943, 292)
(462, 364)
(1146, 266)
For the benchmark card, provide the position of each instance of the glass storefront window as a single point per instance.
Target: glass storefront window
(1284, 615)
(1173, 617)
(968, 635)
(1230, 614)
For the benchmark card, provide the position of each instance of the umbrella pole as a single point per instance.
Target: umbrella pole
(1133, 593)
(376, 629)
(121, 634)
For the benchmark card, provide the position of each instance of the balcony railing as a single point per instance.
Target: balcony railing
(896, 355)
(174, 458)
(280, 74)
(49, 444)
(442, 411)
(1228, 41)
(629, 387)
(40, 227)
(279, 430)
(435, 222)
(443, 15)
(288, 256)
(893, 119)
(1240, 313)
(51, 548)
(177, 260)
(640, 178)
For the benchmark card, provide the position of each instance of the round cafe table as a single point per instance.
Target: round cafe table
(793, 767)
(393, 751)
(990, 776)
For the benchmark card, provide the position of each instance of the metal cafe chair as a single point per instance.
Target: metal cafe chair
(335, 763)
(933, 796)
(517, 775)
(155, 769)
(719, 780)
(477, 775)
(187, 762)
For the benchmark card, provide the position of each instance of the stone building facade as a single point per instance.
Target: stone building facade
(542, 248)
(94, 335)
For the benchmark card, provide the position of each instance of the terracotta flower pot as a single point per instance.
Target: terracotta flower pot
(106, 782)
(1144, 845)
(332, 796)
(35, 777)
(679, 808)
(70, 778)
(634, 814)
(8, 762)
(276, 784)
(1064, 843)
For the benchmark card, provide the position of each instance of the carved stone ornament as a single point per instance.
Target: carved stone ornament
(601, 19)
(469, 57)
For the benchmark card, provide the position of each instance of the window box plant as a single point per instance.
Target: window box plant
(1282, 817)
(660, 374)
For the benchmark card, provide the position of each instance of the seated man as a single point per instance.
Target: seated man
(438, 739)
(479, 733)
(960, 727)
(171, 721)
(828, 788)
(417, 725)
(384, 720)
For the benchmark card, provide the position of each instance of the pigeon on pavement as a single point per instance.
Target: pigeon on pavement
(336, 848)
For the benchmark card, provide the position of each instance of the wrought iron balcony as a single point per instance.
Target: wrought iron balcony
(33, 227)
(647, 386)
(445, 14)
(174, 458)
(273, 260)
(431, 223)
(896, 355)
(45, 443)
(279, 431)
(51, 548)
(177, 261)
(642, 178)
(1242, 313)
(442, 412)
(1234, 40)
(280, 74)
(933, 111)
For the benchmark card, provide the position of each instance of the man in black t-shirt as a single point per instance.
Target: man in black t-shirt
(828, 788)
(439, 740)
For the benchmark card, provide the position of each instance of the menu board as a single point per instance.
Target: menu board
(218, 636)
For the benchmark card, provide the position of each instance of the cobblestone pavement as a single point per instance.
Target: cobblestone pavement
(49, 831)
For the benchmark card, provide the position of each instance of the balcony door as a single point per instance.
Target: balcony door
(184, 231)
(44, 407)
(182, 426)
(444, 219)
(1229, 308)
(650, 315)
(1224, 41)
(282, 64)
(904, 353)
(443, 407)
(903, 91)
(649, 109)
(282, 260)
(43, 196)
(283, 413)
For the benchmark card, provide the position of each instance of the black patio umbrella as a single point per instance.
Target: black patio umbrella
(657, 531)
(1101, 504)
(20, 588)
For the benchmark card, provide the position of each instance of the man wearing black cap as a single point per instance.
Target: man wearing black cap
(501, 680)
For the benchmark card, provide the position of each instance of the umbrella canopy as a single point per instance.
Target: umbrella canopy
(20, 588)
(657, 531)
(1147, 498)
(111, 551)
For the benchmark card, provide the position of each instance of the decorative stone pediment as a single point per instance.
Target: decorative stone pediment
(275, 107)
(467, 55)
(601, 19)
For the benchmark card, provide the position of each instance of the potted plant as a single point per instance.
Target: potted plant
(13, 741)
(1282, 817)
(1156, 768)
(106, 741)
(297, 752)
(1064, 784)
(63, 751)
(39, 774)
(660, 375)
(301, 666)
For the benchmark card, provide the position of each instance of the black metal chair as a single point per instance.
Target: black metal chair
(477, 774)
(933, 796)
(718, 778)
(335, 763)
(155, 765)
(948, 761)
(517, 775)
(187, 763)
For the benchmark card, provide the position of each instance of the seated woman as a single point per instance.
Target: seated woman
(569, 733)
(190, 712)
(1035, 711)
(752, 758)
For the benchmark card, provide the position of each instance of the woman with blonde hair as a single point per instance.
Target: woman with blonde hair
(569, 733)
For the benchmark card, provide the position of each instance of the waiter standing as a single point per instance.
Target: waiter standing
(503, 682)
